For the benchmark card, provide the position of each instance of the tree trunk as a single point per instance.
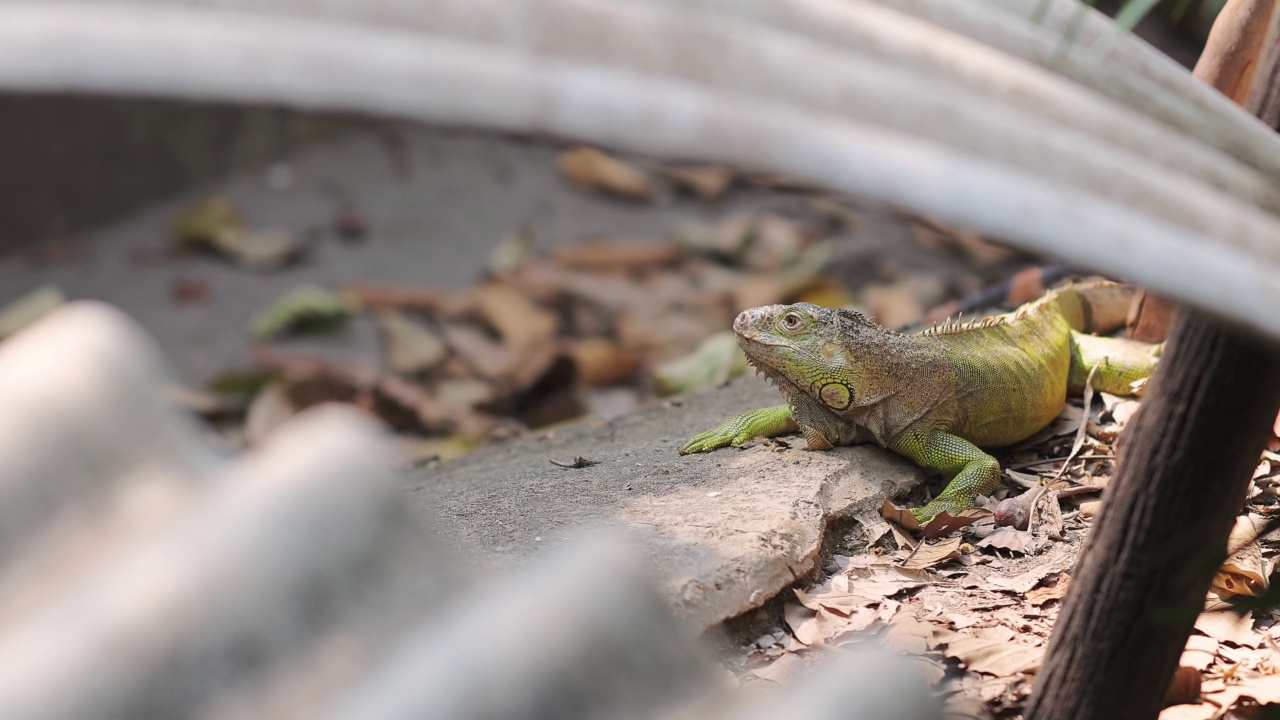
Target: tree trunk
(1142, 579)
(1183, 471)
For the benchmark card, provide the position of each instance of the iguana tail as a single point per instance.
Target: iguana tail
(1118, 365)
(1098, 307)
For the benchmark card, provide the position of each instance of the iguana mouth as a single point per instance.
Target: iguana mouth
(745, 325)
(756, 341)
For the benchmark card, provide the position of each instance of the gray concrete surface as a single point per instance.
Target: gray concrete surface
(726, 531)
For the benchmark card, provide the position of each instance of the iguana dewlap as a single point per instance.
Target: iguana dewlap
(937, 396)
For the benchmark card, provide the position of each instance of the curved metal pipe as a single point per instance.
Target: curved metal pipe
(1142, 234)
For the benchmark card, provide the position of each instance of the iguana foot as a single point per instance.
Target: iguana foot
(713, 439)
(924, 515)
(742, 428)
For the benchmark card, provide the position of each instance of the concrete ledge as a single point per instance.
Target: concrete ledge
(726, 531)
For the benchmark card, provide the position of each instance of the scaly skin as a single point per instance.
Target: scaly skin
(936, 397)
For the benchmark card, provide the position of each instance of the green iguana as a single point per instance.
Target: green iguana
(938, 396)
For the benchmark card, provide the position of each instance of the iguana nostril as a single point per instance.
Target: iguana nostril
(743, 319)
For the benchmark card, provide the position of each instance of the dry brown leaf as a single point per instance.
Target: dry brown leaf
(873, 526)
(782, 671)
(1200, 652)
(411, 346)
(930, 553)
(214, 224)
(931, 670)
(994, 657)
(261, 249)
(1044, 594)
(835, 628)
(1244, 572)
(888, 610)
(708, 182)
(489, 358)
(1065, 424)
(819, 626)
(945, 523)
(1023, 583)
(723, 241)
(1198, 711)
(960, 707)
(602, 362)
(519, 322)
(408, 406)
(1263, 469)
(407, 297)
(899, 515)
(840, 603)
(664, 333)
(776, 242)
(1049, 512)
(464, 392)
(803, 622)
(1264, 689)
(592, 169)
(619, 254)
(882, 585)
(1229, 626)
(996, 633)
(1123, 411)
(1008, 538)
(756, 289)
(908, 634)
(544, 388)
(904, 541)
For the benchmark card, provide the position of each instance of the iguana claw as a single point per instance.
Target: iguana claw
(710, 440)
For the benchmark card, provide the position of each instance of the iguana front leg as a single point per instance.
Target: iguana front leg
(974, 472)
(744, 427)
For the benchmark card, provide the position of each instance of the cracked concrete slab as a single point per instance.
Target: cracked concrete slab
(726, 531)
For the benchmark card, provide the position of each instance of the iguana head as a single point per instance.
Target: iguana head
(809, 349)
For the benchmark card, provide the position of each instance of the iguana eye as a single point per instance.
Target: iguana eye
(792, 322)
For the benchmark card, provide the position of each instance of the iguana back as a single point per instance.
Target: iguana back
(1010, 371)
